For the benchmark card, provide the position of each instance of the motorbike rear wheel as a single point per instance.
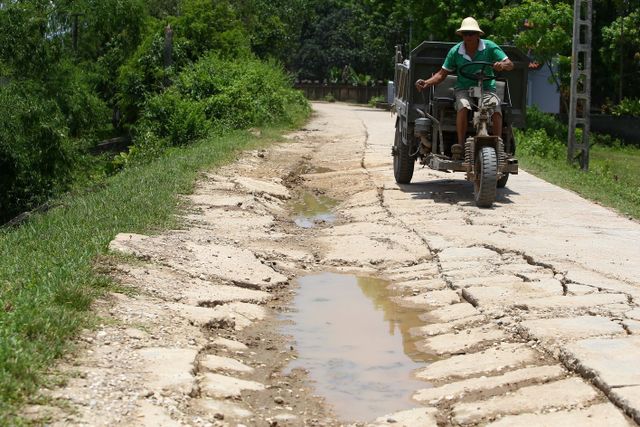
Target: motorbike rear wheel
(402, 163)
(502, 182)
(486, 177)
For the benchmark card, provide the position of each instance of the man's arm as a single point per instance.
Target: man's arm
(433, 80)
(504, 65)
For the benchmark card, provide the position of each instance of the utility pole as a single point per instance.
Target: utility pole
(580, 99)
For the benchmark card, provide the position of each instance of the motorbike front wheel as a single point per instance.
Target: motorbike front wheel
(486, 177)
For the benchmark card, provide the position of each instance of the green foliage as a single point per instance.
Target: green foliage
(621, 42)
(543, 28)
(216, 95)
(627, 107)
(537, 143)
(340, 33)
(35, 154)
(537, 119)
(329, 97)
(74, 91)
(206, 26)
(375, 100)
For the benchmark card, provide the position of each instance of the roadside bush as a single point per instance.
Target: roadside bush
(240, 94)
(36, 156)
(215, 95)
(536, 119)
(536, 142)
(627, 107)
(84, 111)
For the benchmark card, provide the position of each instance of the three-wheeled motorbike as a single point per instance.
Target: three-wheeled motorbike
(426, 122)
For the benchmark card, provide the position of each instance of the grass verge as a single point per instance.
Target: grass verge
(613, 179)
(47, 281)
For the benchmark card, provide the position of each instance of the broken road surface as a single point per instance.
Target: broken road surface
(528, 312)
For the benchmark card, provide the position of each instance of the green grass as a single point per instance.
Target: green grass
(47, 277)
(613, 178)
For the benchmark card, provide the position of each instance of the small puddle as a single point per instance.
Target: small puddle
(355, 344)
(311, 209)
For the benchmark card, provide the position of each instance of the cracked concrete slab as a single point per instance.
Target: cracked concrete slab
(491, 360)
(225, 387)
(450, 313)
(603, 414)
(210, 260)
(461, 341)
(561, 394)
(169, 368)
(457, 390)
(612, 362)
(424, 417)
(557, 330)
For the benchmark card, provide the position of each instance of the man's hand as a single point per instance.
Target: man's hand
(505, 65)
(422, 84)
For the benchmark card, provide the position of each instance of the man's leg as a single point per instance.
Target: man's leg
(461, 125)
(496, 120)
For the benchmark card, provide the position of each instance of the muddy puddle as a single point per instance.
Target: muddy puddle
(355, 344)
(311, 209)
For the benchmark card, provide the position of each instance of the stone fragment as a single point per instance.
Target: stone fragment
(212, 363)
(210, 260)
(150, 415)
(440, 298)
(236, 315)
(450, 313)
(457, 390)
(473, 253)
(507, 294)
(273, 188)
(462, 341)
(550, 331)
(224, 407)
(633, 314)
(421, 285)
(222, 386)
(628, 398)
(603, 414)
(495, 359)
(432, 329)
(230, 344)
(169, 368)
(611, 362)
(574, 302)
(555, 395)
(633, 326)
(492, 280)
(423, 417)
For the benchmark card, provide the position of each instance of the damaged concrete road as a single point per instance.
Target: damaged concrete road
(525, 314)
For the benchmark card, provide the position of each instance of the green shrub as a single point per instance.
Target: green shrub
(215, 95)
(537, 143)
(36, 156)
(376, 99)
(536, 119)
(329, 97)
(627, 107)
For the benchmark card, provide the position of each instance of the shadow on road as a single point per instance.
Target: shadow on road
(450, 191)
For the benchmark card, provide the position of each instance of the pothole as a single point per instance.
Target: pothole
(354, 342)
(311, 209)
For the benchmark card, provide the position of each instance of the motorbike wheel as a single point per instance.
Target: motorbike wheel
(485, 182)
(502, 182)
(402, 163)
